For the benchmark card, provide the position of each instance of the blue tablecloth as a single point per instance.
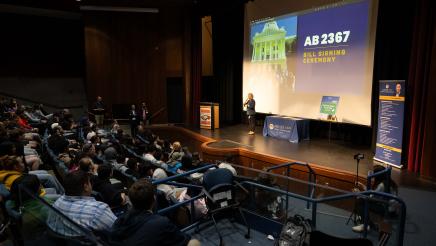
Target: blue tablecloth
(289, 128)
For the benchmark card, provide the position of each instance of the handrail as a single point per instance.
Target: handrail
(387, 170)
(38, 102)
(142, 139)
(364, 194)
(85, 231)
(184, 185)
(179, 204)
(310, 188)
(161, 181)
(157, 113)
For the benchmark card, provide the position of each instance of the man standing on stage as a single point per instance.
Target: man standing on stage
(98, 111)
(251, 112)
(134, 120)
(144, 114)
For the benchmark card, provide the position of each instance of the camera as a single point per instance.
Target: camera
(358, 156)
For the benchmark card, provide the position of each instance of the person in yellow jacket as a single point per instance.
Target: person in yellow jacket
(12, 167)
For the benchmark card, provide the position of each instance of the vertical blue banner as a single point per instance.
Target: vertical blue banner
(390, 122)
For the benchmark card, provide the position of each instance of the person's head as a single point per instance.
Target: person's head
(104, 171)
(95, 140)
(31, 184)
(195, 158)
(186, 161)
(186, 151)
(143, 105)
(398, 88)
(229, 158)
(77, 183)
(133, 107)
(12, 163)
(99, 98)
(228, 167)
(88, 149)
(90, 135)
(110, 154)
(151, 149)
(132, 164)
(250, 95)
(379, 178)
(16, 134)
(86, 164)
(158, 154)
(140, 128)
(66, 111)
(141, 195)
(146, 170)
(159, 173)
(57, 130)
(177, 146)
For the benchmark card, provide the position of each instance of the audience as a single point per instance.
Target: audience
(110, 193)
(12, 167)
(140, 226)
(88, 194)
(79, 206)
(33, 213)
(149, 156)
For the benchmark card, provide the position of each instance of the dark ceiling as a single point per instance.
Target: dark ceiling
(74, 5)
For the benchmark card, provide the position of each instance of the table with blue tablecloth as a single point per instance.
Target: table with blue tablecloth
(289, 128)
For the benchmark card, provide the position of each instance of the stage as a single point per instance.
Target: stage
(336, 154)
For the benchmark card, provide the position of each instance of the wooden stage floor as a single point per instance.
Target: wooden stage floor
(335, 154)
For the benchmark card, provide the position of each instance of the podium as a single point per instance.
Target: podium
(209, 115)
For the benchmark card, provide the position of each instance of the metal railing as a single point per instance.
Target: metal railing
(363, 195)
(311, 181)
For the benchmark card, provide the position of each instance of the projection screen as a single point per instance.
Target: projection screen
(296, 52)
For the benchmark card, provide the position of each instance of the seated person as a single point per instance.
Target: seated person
(110, 157)
(89, 150)
(115, 127)
(149, 156)
(110, 193)
(377, 209)
(57, 142)
(146, 170)
(32, 160)
(12, 167)
(267, 203)
(78, 205)
(172, 193)
(139, 226)
(133, 167)
(33, 212)
(177, 153)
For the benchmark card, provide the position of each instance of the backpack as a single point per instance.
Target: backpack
(296, 232)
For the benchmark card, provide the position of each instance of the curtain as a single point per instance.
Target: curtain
(421, 101)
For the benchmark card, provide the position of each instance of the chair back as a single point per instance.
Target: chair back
(216, 177)
(218, 183)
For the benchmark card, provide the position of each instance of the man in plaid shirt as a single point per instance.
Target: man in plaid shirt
(78, 205)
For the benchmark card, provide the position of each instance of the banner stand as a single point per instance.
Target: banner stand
(390, 122)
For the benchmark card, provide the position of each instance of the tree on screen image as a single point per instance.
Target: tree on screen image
(273, 45)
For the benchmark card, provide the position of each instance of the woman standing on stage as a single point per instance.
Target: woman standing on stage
(251, 112)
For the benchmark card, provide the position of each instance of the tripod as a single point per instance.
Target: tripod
(354, 214)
